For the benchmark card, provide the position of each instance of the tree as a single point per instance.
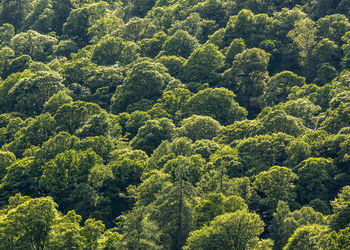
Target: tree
(203, 65)
(301, 108)
(6, 159)
(41, 16)
(152, 134)
(137, 29)
(304, 37)
(57, 100)
(341, 209)
(192, 167)
(108, 50)
(6, 55)
(274, 185)
(108, 24)
(174, 64)
(173, 209)
(179, 44)
(81, 19)
(171, 104)
(91, 231)
(215, 10)
(205, 148)
(337, 118)
(152, 46)
(20, 177)
(35, 132)
(195, 26)
(218, 103)
(71, 116)
(247, 78)
(214, 205)
(139, 232)
(237, 131)
(238, 230)
(259, 153)
(78, 70)
(280, 85)
(252, 28)
(128, 168)
(326, 51)
(308, 237)
(31, 93)
(284, 222)
(278, 121)
(315, 179)
(65, 233)
(237, 46)
(32, 43)
(7, 31)
(62, 174)
(339, 240)
(135, 121)
(168, 150)
(14, 12)
(333, 27)
(139, 8)
(145, 81)
(28, 224)
(200, 127)
(297, 151)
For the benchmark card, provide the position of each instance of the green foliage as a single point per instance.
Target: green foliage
(152, 46)
(28, 224)
(108, 51)
(274, 185)
(218, 103)
(7, 31)
(31, 93)
(6, 159)
(179, 44)
(285, 222)
(279, 87)
(171, 104)
(215, 205)
(337, 119)
(165, 124)
(315, 179)
(71, 116)
(200, 127)
(152, 134)
(69, 168)
(259, 153)
(32, 43)
(247, 78)
(81, 19)
(145, 80)
(308, 237)
(339, 240)
(238, 230)
(341, 209)
(203, 65)
(333, 27)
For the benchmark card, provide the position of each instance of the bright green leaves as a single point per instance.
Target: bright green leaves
(218, 103)
(68, 169)
(145, 81)
(203, 65)
(28, 224)
(237, 230)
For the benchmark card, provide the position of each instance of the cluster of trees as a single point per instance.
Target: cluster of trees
(174, 124)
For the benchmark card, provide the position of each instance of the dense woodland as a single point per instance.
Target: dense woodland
(175, 124)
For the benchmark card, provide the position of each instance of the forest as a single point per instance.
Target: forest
(175, 124)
